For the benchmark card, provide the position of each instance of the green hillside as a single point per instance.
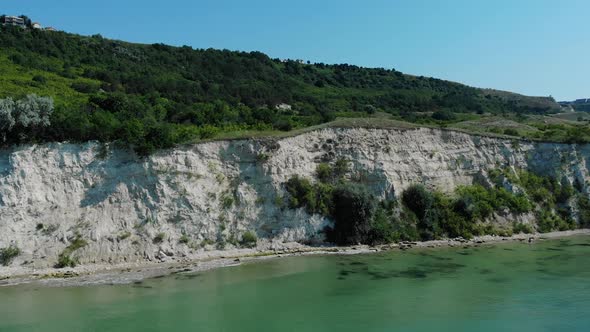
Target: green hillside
(154, 96)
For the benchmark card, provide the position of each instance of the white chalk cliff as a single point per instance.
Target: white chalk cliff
(211, 193)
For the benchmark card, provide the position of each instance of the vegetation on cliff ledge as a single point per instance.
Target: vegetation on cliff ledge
(423, 214)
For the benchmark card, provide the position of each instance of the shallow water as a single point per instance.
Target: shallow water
(505, 287)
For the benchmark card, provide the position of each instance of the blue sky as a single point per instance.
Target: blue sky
(534, 47)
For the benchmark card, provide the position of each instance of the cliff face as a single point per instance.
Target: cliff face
(210, 194)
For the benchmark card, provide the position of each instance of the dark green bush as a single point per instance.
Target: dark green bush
(475, 202)
(64, 260)
(341, 168)
(159, 238)
(519, 228)
(353, 210)
(584, 210)
(39, 79)
(184, 239)
(301, 193)
(444, 115)
(511, 132)
(249, 240)
(7, 255)
(324, 172)
(382, 228)
(419, 200)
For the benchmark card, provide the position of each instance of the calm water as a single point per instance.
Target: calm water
(508, 287)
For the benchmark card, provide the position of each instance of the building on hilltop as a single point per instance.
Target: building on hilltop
(37, 25)
(50, 29)
(14, 20)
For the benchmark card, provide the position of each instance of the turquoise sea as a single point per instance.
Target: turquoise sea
(522, 287)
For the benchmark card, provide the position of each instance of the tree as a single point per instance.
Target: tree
(24, 115)
(421, 202)
(444, 115)
(353, 210)
(33, 111)
(7, 120)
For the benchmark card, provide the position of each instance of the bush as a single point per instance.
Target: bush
(519, 228)
(39, 79)
(124, 236)
(64, 260)
(301, 193)
(444, 115)
(227, 202)
(584, 210)
(341, 168)
(420, 201)
(184, 239)
(383, 230)
(324, 172)
(353, 210)
(7, 255)
(511, 132)
(515, 203)
(249, 240)
(548, 221)
(474, 202)
(159, 238)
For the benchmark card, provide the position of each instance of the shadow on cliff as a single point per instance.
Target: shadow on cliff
(121, 168)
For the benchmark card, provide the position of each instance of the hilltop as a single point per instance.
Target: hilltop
(580, 105)
(155, 96)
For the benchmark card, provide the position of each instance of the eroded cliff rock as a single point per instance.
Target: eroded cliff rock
(180, 202)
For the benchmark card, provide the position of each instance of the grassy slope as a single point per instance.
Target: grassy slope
(17, 80)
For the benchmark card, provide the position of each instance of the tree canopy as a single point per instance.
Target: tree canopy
(157, 95)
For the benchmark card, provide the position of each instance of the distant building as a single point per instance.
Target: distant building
(36, 25)
(284, 107)
(15, 20)
(50, 29)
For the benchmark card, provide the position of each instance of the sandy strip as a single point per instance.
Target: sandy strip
(135, 272)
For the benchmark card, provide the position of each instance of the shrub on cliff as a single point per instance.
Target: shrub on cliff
(7, 255)
(301, 193)
(249, 240)
(421, 201)
(353, 211)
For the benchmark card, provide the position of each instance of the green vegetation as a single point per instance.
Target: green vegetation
(184, 239)
(65, 258)
(123, 236)
(7, 255)
(249, 240)
(441, 216)
(519, 228)
(155, 96)
(353, 211)
(159, 238)
(422, 214)
(584, 210)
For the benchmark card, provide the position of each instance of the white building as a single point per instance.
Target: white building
(14, 20)
(37, 25)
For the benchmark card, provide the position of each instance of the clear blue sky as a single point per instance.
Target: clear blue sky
(535, 47)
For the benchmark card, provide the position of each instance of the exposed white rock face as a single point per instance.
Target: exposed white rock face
(214, 192)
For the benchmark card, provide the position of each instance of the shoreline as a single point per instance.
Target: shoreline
(129, 273)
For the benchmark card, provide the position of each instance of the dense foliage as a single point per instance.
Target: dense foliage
(24, 118)
(423, 214)
(154, 96)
